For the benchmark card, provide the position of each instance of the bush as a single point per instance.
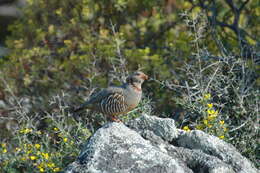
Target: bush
(202, 74)
(43, 143)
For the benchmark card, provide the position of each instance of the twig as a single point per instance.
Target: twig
(239, 127)
(212, 77)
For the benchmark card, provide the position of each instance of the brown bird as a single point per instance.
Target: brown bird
(116, 100)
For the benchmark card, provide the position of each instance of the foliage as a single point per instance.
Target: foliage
(190, 49)
(46, 149)
(210, 121)
(221, 99)
(220, 95)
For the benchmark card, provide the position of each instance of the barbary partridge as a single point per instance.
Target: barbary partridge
(116, 100)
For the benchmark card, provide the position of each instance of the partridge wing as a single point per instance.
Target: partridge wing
(113, 103)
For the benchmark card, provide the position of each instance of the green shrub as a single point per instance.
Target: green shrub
(43, 145)
(77, 46)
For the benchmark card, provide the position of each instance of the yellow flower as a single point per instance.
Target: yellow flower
(222, 137)
(58, 11)
(45, 155)
(67, 42)
(209, 125)
(33, 157)
(221, 122)
(199, 127)
(39, 132)
(211, 117)
(41, 165)
(186, 128)
(50, 165)
(205, 122)
(26, 130)
(55, 129)
(65, 139)
(4, 150)
(56, 169)
(41, 169)
(23, 158)
(29, 151)
(17, 149)
(212, 112)
(207, 96)
(210, 105)
(37, 146)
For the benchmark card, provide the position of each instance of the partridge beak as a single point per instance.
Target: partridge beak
(144, 77)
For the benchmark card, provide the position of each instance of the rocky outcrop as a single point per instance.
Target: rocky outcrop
(154, 145)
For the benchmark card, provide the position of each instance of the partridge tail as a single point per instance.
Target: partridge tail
(77, 109)
(82, 107)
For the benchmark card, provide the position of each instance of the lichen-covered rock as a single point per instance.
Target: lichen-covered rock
(211, 145)
(154, 145)
(162, 127)
(116, 148)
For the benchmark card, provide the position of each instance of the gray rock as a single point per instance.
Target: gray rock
(116, 148)
(162, 127)
(154, 145)
(212, 145)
